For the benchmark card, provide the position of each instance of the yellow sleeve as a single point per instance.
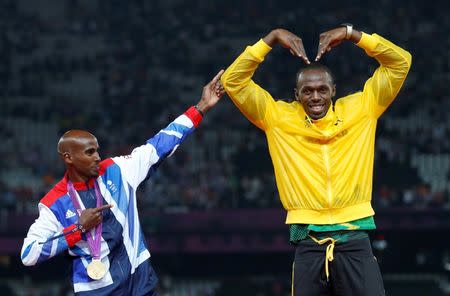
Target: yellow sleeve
(382, 88)
(250, 98)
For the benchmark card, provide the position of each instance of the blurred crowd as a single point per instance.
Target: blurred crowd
(125, 69)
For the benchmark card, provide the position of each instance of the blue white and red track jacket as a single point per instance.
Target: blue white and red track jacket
(123, 246)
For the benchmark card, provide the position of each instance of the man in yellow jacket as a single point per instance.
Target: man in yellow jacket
(323, 156)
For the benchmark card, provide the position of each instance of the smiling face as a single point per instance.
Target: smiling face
(315, 89)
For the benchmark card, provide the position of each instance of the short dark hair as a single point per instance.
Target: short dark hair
(314, 66)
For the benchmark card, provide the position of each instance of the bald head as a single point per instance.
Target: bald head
(314, 67)
(79, 151)
(74, 139)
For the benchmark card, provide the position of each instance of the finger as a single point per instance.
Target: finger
(323, 45)
(217, 77)
(305, 58)
(300, 55)
(220, 93)
(104, 207)
(302, 51)
(319, 52)
(218, 85)
(295, 48)
(219, 89)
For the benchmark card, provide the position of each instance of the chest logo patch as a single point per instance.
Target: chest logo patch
(69, 214)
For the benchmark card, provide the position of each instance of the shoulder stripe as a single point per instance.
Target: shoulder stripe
(105, 164)
(54, 194)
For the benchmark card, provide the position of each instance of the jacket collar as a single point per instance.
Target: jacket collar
(77, 185)
(324, 123)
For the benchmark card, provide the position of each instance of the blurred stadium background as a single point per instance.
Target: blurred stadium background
(123, 69)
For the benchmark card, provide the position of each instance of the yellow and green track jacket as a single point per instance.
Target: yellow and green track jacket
(323, 168)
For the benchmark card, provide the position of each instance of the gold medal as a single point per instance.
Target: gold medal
(96, 269)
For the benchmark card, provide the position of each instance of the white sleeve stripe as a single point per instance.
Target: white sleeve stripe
(54, 245)
(184, 120)
(172, 133)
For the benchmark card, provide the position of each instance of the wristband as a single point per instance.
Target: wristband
(80, 227)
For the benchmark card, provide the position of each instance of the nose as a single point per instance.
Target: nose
(97, 157)
(315, 95)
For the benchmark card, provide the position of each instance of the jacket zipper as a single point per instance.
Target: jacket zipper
(326, 159)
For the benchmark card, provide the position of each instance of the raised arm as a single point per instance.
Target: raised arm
(382, 88)
(144, 160)
(250, 98)
(289, 41)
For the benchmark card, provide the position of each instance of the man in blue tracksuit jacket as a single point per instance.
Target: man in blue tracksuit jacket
(101, 195)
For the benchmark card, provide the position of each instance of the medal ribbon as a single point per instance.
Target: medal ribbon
(94, 239)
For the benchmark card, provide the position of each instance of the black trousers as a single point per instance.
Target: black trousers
(353, 272)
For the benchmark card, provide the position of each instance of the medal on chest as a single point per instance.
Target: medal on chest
(96, 270)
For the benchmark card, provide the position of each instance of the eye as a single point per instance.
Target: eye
(90, 152)
(307, 91)
(323, 90)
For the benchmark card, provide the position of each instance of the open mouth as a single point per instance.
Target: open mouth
(317, 108)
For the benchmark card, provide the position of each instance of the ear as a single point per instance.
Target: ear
(66, 157)
(333, 91)
(297, 97)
